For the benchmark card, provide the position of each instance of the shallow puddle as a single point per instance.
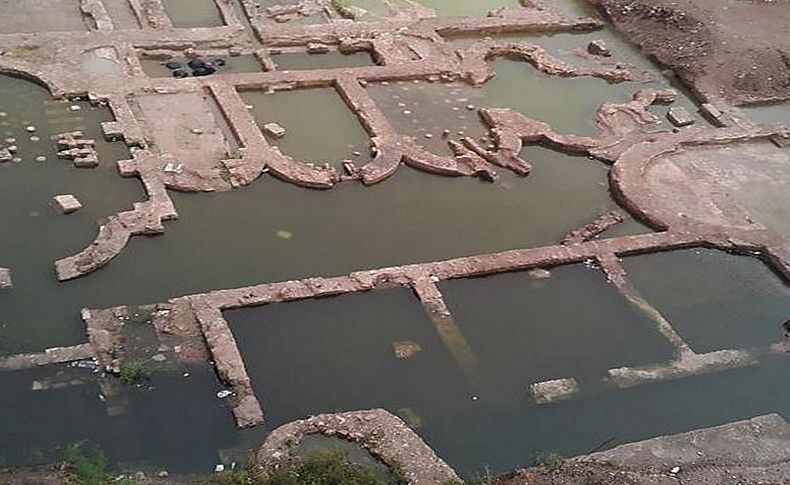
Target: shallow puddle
(467, 8)
(292, 61)
(568, 104)
(193, 13)
(41, 16)
(320, 128)
(713, 299)
(775, 113)
(121, 13)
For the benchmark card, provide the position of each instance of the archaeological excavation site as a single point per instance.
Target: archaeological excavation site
(324, 242)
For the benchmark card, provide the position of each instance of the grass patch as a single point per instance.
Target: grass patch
(133, 372)
(329, 467)
(550, 461)
(87, 465)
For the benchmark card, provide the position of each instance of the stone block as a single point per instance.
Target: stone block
(555, 390)
(87, 161)
(5, 278)
(66, 204)
(274, 130)
(317, 48)
(680, 116)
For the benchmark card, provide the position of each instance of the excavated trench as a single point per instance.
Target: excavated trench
(470, 370)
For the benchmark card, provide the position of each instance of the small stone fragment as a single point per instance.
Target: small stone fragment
(539, 274)
(274, 130)
(66, 204)
(317, 48)
(406, 349)
(598, 48)
(679, 116)
(555, 390)
(5, 278)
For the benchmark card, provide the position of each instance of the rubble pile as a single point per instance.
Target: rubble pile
(80, 150)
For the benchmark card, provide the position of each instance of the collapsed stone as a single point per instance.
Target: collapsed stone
(599, 48)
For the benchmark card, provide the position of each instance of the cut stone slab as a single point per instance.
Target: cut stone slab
(555, 390)
(5, 278)
(66, 204)
(274, 129)
(680, 116)
(714, 115)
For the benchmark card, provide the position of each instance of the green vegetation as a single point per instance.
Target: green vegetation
(87, 465)
(133, 372)
(550, 461)
(330, 467)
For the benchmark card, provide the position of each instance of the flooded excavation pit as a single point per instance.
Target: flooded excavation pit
(193, 13)
(42, 15)
(381, 349)
(713, 299)
(412, 217)
(317, 126)
(523, 331)
(350, 358)
(434, 114)
(295, 61)
(569, 103)
(45, 411)
(468, 8)
(40, 235)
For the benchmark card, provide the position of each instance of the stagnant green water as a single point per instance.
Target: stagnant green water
(520, 330)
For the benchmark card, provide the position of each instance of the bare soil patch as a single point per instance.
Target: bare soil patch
(736, 50)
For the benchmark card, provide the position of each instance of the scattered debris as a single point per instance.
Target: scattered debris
(75, 147)
(406, 349)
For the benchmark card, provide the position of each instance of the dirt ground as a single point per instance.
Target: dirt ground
(736, 50)
(594, 473)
